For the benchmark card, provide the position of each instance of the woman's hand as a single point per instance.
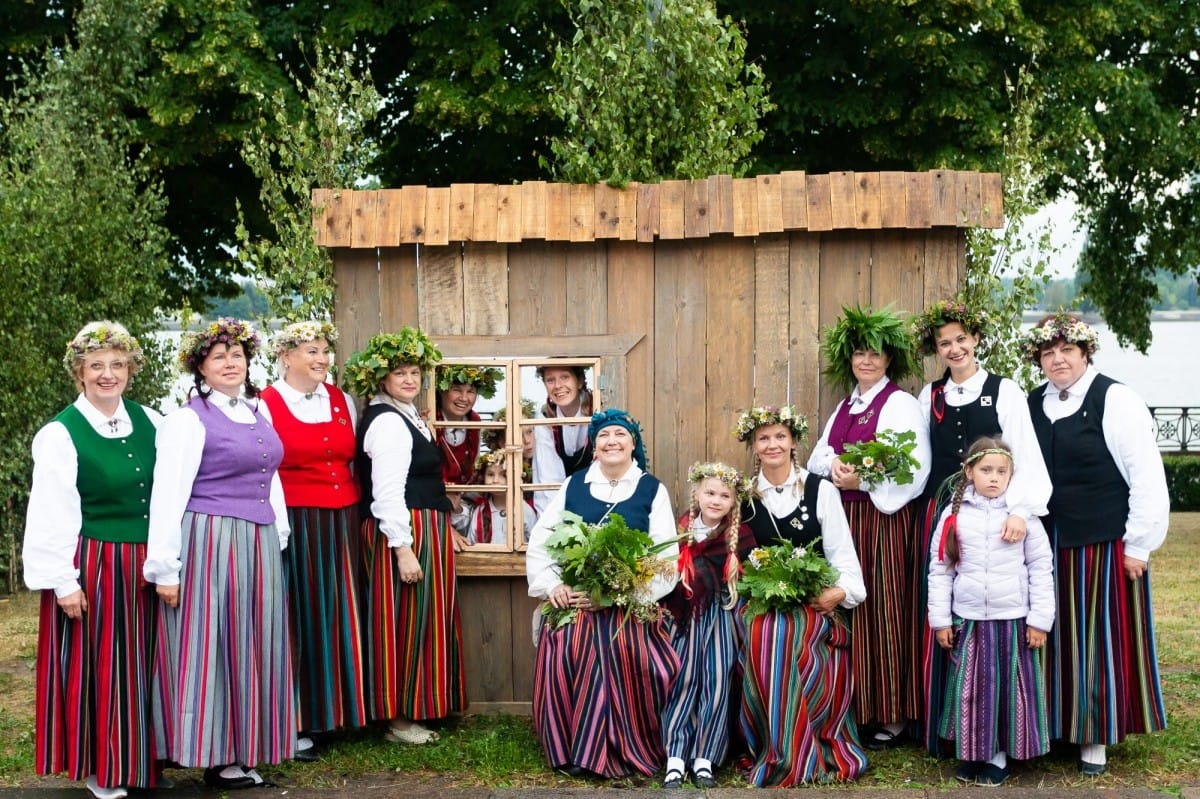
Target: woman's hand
(1034, 637)
(459, 540)
(945, 637)
(843, 475)
(563, 596)
(1134, 568)
(74, 605)
(1014, 529)
(409, 566)
(828, 601)
(168, 594)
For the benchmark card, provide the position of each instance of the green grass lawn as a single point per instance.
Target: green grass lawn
(501, 751)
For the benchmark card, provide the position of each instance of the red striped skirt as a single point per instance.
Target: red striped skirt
(599, 687)
(93, 674)
(414, 635)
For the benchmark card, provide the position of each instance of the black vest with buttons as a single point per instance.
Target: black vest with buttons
(424, 487)
(952, 435)
(799, 528)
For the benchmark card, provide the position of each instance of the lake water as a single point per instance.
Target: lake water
(1168, 374)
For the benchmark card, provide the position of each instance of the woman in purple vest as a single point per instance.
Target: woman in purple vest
(965, 403)
(414, 634)
(223, 676)
(1109, 510)
(85, 540)
(866, 352)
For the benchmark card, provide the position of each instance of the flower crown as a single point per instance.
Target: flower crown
(1063, 326)
(194, 346)
(101, 336)
(365, 370)
(487, 459)
(459, 374)
(863, 328)
(298, 333)
(742, 486)
(765, 415)
(925, 326)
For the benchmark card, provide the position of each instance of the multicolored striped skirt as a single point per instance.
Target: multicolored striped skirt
(414, 636)
(223, 672)
(797, 690)
(1101, 659)
(886, 646)
(996, 697)
(93, 674)
(599, 687)
(323, 564)
(696, 717)
(935, 662)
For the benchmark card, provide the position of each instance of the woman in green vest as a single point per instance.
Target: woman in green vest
(85, 541)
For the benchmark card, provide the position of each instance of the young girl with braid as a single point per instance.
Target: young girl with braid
(695, 720)
(991, 601)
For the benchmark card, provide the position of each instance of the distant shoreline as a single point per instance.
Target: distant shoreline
(1092, 318)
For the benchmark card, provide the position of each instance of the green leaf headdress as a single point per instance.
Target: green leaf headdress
(864, 328)
(460, 374)
(365, 370)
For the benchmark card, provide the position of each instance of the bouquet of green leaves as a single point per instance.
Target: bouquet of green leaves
(888, 457)
(783, 576)
(610, 561)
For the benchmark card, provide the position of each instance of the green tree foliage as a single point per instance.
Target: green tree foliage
(295, 148)
(651, 90)
(81, 233)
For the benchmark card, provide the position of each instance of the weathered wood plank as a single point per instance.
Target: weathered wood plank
(866, 200)
(331, 217)
(647, 212)
(484, 227)
(745, 207)
(820, 211)
(943, 201)
(488, 638)
(537, 288)
(356, 298)
(695, 210)
(628, 207)
(583, 213)
(508, 213)
(841, 200)
(772, 280)
(364, 219)
(897, 274)
(587, 288)
(845, 281)
(607, 204)
(720, 204)
(728, 341)
(794, 199)
(970, 199)
(389, 217)
(485, 294)
(534, 198)
(397, 289)
(671, 209)
(770, 203)
(558, 212)
(918, 190)
(893, 207)
(991, 201)
(412, 215)
(462, 211)
(631, 310)
(441, 291)
(804, 354)
(437, 216)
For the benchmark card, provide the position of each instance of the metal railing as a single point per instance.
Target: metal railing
(1177, 428)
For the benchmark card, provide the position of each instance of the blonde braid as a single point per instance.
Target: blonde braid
(731, 541)
(952, 533)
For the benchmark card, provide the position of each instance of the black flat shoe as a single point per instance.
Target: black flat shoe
(309, 755)
(673, 779)
(884, 738)
(968, 771)
(571, 770)
(213, 779)
(703, 778)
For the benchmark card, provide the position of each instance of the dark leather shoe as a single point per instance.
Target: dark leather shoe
(673, 779)
(309, 755)
(703, 778)
(884, 739)
(571, 770)
(213, 779)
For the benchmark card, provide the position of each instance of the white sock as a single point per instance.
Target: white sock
(93, 785)
(894, 728)
(1000, 760)
(1093, 753)
(233, 772)
(675, 764)
(304, 743)
(700, 764)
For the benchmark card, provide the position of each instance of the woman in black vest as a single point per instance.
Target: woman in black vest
(967, 402)
(414, 638)
(85, 542)
(1109, 510)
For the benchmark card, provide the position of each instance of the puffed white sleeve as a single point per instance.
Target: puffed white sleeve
(1029, 491)
(1129, 433)
(179, 445)
(662, 528)
(1039, 562)
(940, 581)
(542, 573)
(901, 412)
(821, 460)
(388, 443)
(283, 526)
(838, 545)
(54, 517)
(547, 466)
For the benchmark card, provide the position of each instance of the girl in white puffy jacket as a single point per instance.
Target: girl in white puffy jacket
(991, 602)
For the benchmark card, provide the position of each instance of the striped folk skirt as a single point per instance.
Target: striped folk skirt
(223, 672)
(996, 697)
(599, 688)
(886, 646)
(414, 635)
(796, 713)
(1102, 664)
(935, 662)
(93, 674)
(323, 564)
(696, 717)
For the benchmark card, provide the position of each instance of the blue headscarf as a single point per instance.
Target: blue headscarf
(611, 416)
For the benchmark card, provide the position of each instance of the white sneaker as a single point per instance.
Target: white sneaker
(94, 788)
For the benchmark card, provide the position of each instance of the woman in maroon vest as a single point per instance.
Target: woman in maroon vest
(458, 387)
(866, 351)
(315, 422)
(414, 637)
(1109, 510)
(85, 541)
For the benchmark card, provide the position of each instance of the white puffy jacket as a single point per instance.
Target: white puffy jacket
(993, 579)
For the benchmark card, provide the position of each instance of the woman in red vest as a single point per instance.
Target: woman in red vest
(458, 387)
(315, 421)
(85, 542)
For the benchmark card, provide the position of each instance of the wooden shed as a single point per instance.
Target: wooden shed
(690, 300)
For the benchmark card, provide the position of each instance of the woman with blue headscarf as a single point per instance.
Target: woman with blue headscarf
(601, 680)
